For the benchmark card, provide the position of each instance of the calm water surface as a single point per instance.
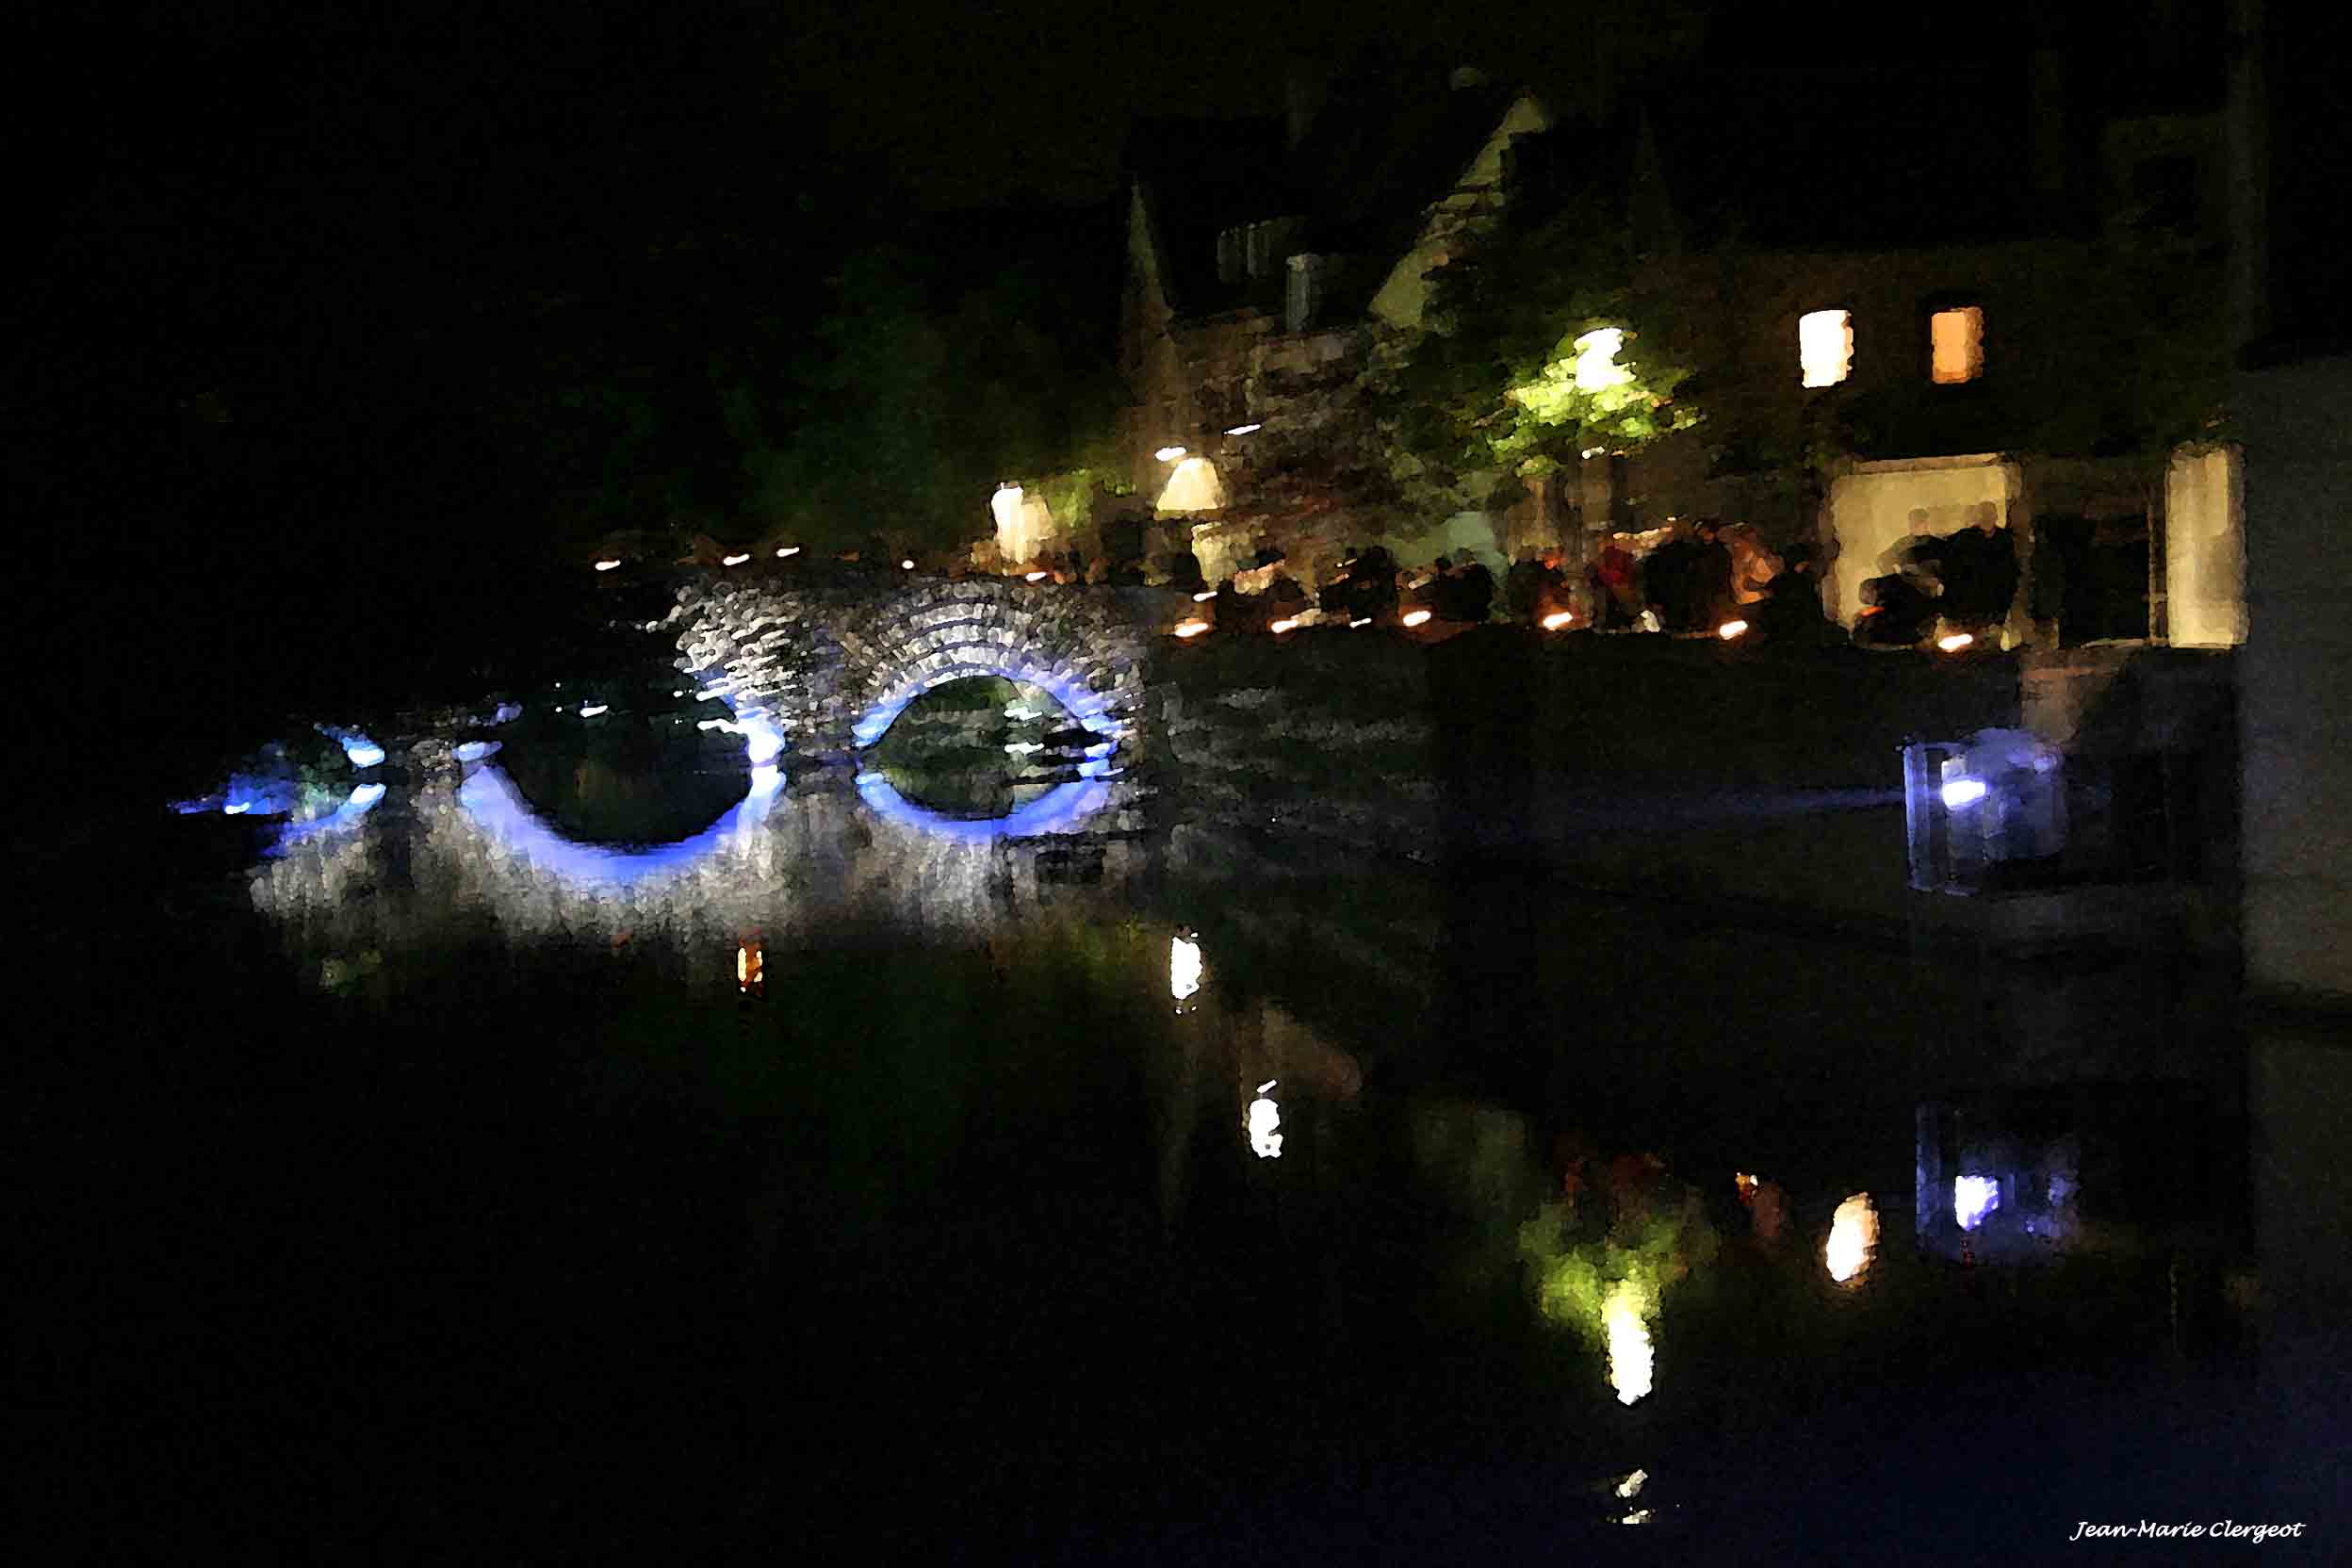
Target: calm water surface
(847, 1190)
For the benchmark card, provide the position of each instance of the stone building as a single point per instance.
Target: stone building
(1908, 300)
(1264, 257)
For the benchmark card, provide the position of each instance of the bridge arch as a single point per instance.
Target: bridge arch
(826, 669)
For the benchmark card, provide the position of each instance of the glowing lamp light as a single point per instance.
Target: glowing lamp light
(606, 565)
(1170, 454)
(1631, 1357)
(1953, 641)
(1632, 1483)
(734, 559)
(589, 711)
(237, 808)
(1245, 430)
(1036, 577)
(1972, 1199)
(1596, 360)
(1204, 596)
(1192, 629)
(787, 550)
(1963, 793)
(1264, 1124)
(1852, 1239)
(750, 966)
(1745, 1184)
(1285, 623)
(906, 566)
(1731, 630)
(1417, 617)
(1359, 621)
(1557, 619)
(1183, 966)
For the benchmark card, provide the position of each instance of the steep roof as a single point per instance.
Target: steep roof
(1198, 178)
(1363, 180)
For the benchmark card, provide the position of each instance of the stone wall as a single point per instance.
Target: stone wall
(829, 664)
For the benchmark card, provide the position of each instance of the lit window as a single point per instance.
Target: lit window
(1825, 346)
(1957, 340)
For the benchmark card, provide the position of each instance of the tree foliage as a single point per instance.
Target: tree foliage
(1509, 374)
(919, 394)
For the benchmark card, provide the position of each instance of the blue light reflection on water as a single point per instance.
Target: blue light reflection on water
(1060, 810)
(490, 799)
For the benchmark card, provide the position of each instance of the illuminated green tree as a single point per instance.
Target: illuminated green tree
(1546, 337)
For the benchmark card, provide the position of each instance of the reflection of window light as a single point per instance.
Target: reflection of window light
(1825, 346)
(1963, 793)
(1183, 966)
(1853, 1238)
(1972, 1199)
(1266, 1122)
(1596, 360)
(1956, 345)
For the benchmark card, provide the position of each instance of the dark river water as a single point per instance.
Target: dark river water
(841, 1190)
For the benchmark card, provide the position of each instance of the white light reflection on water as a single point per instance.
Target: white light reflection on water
(1630, 1355)
(1264, 1124)
(1852, 1239)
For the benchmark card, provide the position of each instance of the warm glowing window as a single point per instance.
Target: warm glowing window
(1825, 346)
(1957, 340)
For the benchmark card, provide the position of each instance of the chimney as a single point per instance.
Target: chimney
(1307, 87)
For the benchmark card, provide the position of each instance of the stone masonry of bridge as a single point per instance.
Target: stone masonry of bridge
(824, 667)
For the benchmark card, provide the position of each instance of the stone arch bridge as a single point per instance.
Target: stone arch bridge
(823, 668)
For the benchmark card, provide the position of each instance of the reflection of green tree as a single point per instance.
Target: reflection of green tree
(947, 750)
(1575, 1264)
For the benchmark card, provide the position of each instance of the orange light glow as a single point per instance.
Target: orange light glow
(1417, 617)
(1730, 629)
(1955, 340)
(1285, 623)
(1192, 629)
(1557, 619)
(1954, 642)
